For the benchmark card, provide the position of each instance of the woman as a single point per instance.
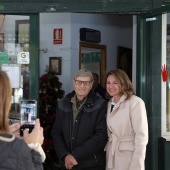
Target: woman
(127, 124)
(17, 154)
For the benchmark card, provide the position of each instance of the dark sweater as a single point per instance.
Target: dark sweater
(16, 155)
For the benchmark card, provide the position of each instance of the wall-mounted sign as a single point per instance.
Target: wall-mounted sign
(1, 7)
(58, 36)
(3, 58)
(23, 58)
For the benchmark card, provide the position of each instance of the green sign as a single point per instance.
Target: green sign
(92, 57)
(1, 7)
(3, 58)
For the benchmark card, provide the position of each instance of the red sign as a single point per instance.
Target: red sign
(57, 36)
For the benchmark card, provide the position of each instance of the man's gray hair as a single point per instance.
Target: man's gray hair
(83, 73)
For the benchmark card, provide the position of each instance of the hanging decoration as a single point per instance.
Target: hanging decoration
(164, 72)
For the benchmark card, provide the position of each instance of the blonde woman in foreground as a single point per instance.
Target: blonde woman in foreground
(17, 154)
(127, 124)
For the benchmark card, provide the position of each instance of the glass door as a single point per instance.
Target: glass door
(15, 57)
(151, 86)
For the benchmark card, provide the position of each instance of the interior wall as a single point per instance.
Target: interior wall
(115, 31)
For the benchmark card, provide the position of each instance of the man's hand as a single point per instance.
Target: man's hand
(70, 161)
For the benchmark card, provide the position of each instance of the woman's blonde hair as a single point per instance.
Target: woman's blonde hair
(5, 101)
(123, 80)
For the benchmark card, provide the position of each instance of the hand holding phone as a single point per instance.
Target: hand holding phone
(28, 115)
(13, 128)
(36, 136)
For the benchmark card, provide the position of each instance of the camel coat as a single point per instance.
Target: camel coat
(128, 134)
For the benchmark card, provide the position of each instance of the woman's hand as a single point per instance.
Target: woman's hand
(36, 136)
(13, 128)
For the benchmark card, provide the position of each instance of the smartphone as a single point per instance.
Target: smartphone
(28, 115)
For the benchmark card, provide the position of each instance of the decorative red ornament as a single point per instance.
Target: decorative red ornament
(164, 72)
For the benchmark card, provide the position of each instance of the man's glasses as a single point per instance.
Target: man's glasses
(86, 83)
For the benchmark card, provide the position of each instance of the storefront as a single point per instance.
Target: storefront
(152, 62)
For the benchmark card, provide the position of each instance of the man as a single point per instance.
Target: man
(79, 132)
(97, 87)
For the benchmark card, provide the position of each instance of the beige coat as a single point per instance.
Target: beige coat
(128, 135)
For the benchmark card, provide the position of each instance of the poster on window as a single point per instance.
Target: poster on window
(13, 72)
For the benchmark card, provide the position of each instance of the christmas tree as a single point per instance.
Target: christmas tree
(50, 92)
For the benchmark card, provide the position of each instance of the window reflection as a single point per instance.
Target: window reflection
(93, 57)
(14, 38)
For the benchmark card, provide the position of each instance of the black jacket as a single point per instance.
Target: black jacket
(87, 137)
(16, 155)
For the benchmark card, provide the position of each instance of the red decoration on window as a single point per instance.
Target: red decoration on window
(164, 71)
